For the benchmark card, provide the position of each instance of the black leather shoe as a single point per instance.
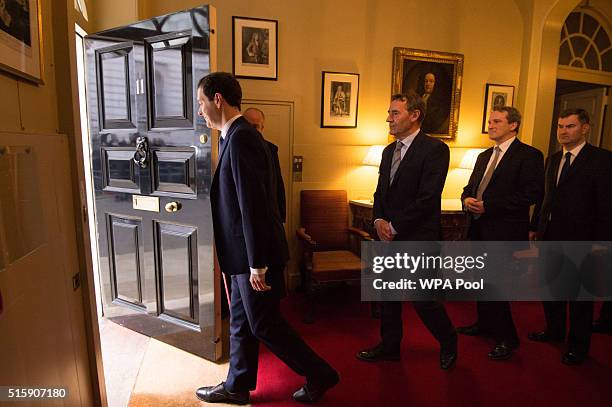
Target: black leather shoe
(544, 336)
(602, 328)
(218, 394)
(377, 353)
(448, 356)
(573, 358)
(312, 391)
(469, 330)
(502, 351)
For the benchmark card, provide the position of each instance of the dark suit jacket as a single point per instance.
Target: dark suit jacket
(280, 186)
(247, 223)
(580, 207)
(516, 184)
(412, 202)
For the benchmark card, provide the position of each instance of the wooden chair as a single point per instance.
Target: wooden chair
(331, 249)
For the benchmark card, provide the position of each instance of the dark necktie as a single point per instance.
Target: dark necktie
(397, 158)
(566, 166)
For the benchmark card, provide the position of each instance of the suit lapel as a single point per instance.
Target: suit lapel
(228, 136)
(505, 159)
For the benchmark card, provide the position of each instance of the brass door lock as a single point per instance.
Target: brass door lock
(173, 206)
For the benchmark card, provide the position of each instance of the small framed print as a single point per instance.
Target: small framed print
(496, 96)
(339, 97)
(255, 43)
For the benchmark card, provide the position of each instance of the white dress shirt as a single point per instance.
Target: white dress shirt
(574, 153)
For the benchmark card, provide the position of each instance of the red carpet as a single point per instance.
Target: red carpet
(533, 377)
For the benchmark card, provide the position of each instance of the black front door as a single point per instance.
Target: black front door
(152, 165)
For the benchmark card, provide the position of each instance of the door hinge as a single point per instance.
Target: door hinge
(76, 281)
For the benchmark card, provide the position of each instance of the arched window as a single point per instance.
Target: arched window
(585, 42)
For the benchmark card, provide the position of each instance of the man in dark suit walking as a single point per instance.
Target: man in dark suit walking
(257, 118)
(507, 179)
(407, 208)
(577, 206)
(252, 249)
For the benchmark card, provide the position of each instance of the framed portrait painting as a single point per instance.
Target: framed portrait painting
(255, 48)
(436, 77)
(496, 96)
(339, 97)
(21, 39)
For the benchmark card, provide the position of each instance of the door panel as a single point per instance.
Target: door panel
(119, 171)
(174, 172)
(151, 158)
(178, 277)
(115, 96)
(125, 255)
(169, 77)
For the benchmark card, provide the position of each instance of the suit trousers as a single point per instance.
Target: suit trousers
(432, 313)
(255, 317)
(581, 321)
(495, 319)
(605, 315)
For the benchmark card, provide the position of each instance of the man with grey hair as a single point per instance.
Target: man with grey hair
(507, 179)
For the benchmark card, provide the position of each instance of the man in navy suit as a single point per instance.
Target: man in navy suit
(577, 206)
(407, 205)
(507, 180)
(252, 249)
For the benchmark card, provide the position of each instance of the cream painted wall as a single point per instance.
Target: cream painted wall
(359, 36)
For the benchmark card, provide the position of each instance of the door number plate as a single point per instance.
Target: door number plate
(145, 203)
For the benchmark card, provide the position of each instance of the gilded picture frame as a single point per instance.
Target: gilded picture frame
(437, 77)
(21, 39)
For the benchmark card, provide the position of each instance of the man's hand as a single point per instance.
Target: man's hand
(473, 205)
(384, 230)
(533, 236)
(258, 282)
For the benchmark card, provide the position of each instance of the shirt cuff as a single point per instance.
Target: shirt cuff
(259, 272)
(392, 229)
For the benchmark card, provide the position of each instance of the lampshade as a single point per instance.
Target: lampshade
(373, 156)
(469, 159)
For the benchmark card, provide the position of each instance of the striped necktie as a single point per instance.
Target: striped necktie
(397, 158)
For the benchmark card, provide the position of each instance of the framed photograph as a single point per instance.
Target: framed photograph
(255, 43)
(339, 97)
(21, 39)
(496, 96)
(435, 76)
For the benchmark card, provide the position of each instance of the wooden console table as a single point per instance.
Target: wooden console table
(454, 220)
